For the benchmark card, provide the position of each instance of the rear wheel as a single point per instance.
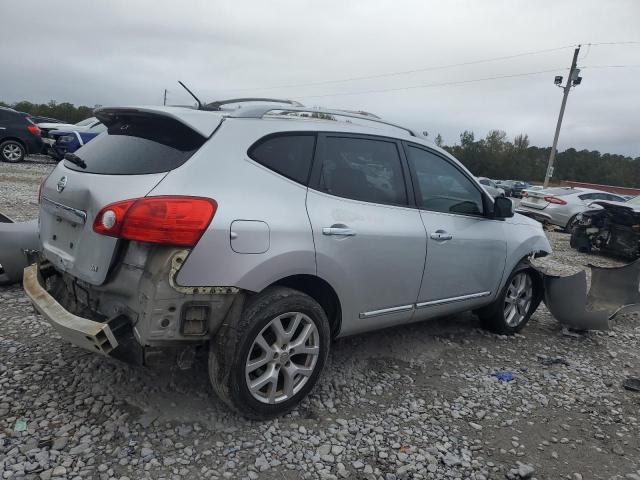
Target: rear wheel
(267, 363)
(12, 151)
(517, 301)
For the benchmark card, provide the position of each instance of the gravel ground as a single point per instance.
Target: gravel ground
(418, 401)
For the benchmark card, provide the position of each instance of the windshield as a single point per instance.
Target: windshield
(86, 122)
(634, 201)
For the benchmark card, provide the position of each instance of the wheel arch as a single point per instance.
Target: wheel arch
(15, 139)
(321, 291)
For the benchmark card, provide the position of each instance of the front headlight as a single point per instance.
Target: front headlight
(66, 138)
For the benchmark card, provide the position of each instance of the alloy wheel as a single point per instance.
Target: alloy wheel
(282, 358)
(12, 152)
(517, 301)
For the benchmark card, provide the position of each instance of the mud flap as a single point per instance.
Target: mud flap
(612, 291)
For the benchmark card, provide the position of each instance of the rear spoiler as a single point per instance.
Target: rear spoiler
(205, 123)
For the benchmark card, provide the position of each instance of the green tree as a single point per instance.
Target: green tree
(521, 142)
(438, 140)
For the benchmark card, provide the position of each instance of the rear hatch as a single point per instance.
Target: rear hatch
(126, 162)
(540, 199)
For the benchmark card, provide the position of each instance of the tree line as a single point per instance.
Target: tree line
(493, 156)
(496, 157)
(65, 111)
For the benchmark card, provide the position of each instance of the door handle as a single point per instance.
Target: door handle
(342, 231)
(441, 236)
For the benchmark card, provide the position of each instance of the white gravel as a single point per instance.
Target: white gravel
(411, 402)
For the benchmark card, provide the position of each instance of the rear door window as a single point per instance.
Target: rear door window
(139, 144)
(288, 154)
(362, 169)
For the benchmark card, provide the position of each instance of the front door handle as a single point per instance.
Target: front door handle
(441, 236)
(342, 231)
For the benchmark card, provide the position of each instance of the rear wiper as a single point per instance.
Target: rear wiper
(75, 159)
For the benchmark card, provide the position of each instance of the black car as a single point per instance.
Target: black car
(40, 119)
(19, 136)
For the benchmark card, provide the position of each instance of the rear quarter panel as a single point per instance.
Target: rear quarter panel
(244, 190)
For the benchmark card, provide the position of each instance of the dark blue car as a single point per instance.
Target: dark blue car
(68, 141)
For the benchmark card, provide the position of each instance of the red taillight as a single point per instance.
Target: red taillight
(41, 186)
(556, 200)
(179, 221)
(34, 129)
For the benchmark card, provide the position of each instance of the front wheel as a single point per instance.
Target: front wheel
(571, 224)
(267, 363)
(517, 301)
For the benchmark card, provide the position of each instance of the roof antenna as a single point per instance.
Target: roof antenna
(191, 93)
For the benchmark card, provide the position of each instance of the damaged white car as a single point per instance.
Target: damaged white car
(261, 234)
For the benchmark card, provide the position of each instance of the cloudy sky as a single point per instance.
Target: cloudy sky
(128, 52)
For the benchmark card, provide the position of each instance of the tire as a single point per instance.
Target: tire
(571, 224)
(236, 357)
(498, 317)
(12, 151)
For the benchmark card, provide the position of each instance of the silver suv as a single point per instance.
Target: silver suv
(262, 233)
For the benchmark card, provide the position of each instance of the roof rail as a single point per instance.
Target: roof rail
(260, 111)
(216, 106)
(362, 112)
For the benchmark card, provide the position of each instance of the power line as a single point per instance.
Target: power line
(427, 69)
(612, 43)
(429, 85)
(404, 72)
(613, 66)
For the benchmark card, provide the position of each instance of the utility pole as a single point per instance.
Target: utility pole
(572, 80)
(165, 97)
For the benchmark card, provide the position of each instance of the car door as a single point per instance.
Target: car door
(370, 243)
(466, 249)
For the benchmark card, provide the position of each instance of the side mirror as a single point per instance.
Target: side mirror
(502, 208)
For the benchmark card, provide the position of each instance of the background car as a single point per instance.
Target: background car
(47, 127)
(68, 141)
(515, 187)
(560, 205)
(504, 185)
(39, 119)
(19, 136)
(609, 226)
(491, 187)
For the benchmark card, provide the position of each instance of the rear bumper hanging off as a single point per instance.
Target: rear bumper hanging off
(88, 334)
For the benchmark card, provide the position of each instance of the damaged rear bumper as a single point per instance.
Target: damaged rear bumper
(88, 334)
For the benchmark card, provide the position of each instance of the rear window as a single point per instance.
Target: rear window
(559, 192)
(136, 145)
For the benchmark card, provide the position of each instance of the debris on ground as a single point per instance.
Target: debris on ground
(504, 376)
(632, 383)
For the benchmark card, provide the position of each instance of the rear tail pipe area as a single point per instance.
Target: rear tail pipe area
(613, 290)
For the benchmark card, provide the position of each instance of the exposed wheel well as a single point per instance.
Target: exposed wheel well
(321, 292)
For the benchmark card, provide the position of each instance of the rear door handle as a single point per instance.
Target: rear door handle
(343, 231)
(441, 236)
